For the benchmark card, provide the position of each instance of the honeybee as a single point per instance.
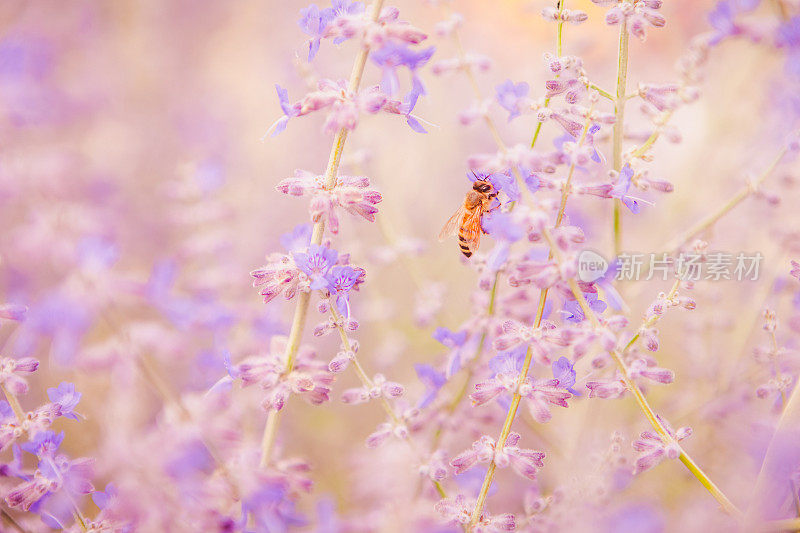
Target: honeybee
(467, 220)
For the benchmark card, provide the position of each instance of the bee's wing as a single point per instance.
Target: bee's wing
(471, 228)
(452, 225)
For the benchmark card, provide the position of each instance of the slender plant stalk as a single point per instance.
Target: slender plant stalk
(14, 403)
(640, 398)
(639, 152)
(303, 299)
(735, 200)
(601, 92)
(369, 384)
(501, 145)
(559, 51)
(619, 122)
(515, 400)
(523, 187)
(512, 413)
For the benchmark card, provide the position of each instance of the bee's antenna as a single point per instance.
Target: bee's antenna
(474, 175)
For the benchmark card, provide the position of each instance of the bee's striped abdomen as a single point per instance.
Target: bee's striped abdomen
(462, 244)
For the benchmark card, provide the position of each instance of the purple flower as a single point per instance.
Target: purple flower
(606, 282)
(524, 461)
(607, 388)
(588, 145)
(309, 377)
(341, 279)
(647, 369)
(289, 111)
(316, 264)
(65, 398)
(449, 338)
(505, 374)
(27, 493)
(345, 107)
(508, 362)
(14, 467)
(271, 509)
(44, 444)
(542, 339)
(393, 55)
(344, 278)
(502, 226)
(505, 182)
(103, 498)
(653, 448)
(574, 311)
(351, 193)
(409, 103)
(620, 190)
(347, 7)
(564, 373)
(313, 22)
(573, 89)
(68, 481)
(433, 381)
(381, 388)
(637, 16)
(62, 318)
(512, 97)
(9, 368)
(457, 511)
(455, 341)
(279, 275)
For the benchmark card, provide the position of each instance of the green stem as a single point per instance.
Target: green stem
(539, 125)
(603, 93)
(619, 115)
(639, 396)
(735, 200)
(559, 53)
(369, 384)
(523, 375)
(303, 299)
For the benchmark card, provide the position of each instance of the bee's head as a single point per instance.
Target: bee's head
(483, 186)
